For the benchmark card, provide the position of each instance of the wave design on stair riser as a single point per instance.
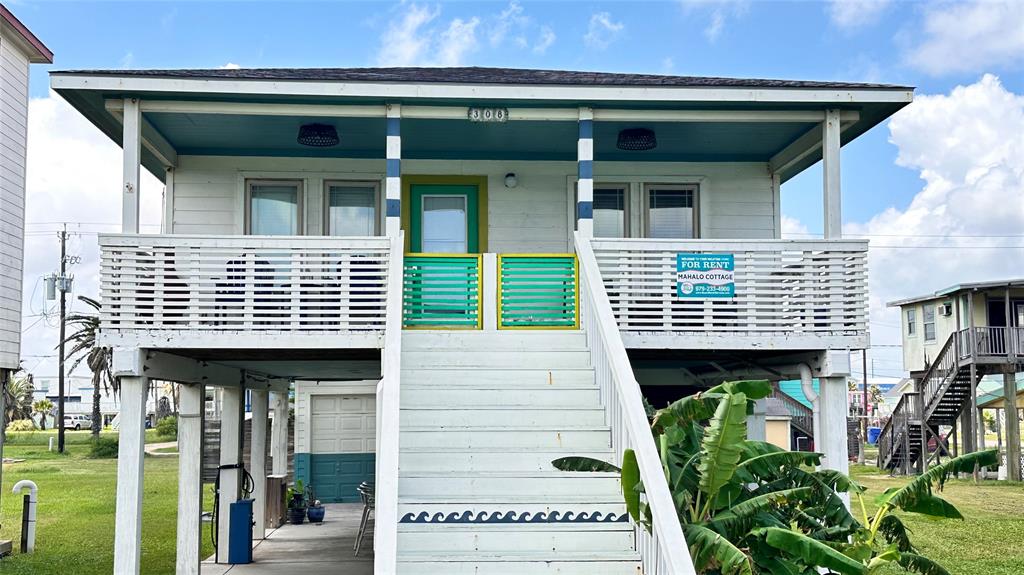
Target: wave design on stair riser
(514, 517)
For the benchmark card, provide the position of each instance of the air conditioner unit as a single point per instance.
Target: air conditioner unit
(946, 309)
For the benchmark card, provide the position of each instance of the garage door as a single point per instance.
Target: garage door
(342, 445)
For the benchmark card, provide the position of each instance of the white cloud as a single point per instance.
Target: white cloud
(851, 14)
(230, 66)
(794, 229)
(509, 18)
(73, 174)
(457, 41)
(602, 31)
(405, 42)
(968, 149)
(718, 12)
(127, 60)
(545, 41)
(970, 37)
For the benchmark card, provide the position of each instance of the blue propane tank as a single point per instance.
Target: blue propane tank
(240, 532)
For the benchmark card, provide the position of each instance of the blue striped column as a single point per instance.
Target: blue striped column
(393, 173)
(585, 183)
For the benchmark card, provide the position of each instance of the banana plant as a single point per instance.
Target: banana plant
(750, 507)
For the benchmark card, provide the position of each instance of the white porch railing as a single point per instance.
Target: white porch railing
(782, 288)
(663, 550)
(385, 527)
(243, 283)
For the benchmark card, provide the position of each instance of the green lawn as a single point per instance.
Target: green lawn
(75, 530)
(986, 542)
(70, 437)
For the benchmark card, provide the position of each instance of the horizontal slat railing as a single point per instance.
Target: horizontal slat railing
(663, 549)
(246, 283)
(781, 287)
(442, 291)
(537, 291)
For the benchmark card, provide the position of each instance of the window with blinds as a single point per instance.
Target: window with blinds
(611, 211)
(671, 211)
(351, 209)
(274, 207)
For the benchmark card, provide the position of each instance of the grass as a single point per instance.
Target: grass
(20, 438)
(986, 542)
(75, 529)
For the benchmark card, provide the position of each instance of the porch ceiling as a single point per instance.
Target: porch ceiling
(243, 135)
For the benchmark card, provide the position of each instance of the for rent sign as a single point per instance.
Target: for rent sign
(705, 275)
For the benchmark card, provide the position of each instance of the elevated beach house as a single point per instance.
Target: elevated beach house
(470, 272)
(952, 338)
(19, 48)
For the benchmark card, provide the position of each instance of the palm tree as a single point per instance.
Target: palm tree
(43, 407)
(17, 400)
(98, 358)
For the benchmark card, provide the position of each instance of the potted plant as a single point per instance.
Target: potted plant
(296, 504)
(316, 512)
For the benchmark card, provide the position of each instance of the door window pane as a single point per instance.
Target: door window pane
(274, 209)
(670, 213)
(351, 210)
(609, 212)
(444, 224)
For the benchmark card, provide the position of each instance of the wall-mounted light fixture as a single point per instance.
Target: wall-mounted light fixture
(511, 180)
(318, 135)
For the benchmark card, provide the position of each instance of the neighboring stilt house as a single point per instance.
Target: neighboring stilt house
(468, 272)
(951, 339)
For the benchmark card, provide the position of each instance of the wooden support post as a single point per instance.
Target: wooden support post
(585, 171)
(757, 421)
(830, 168)
(1012, 426)
(190, 483)
(131, 144)
(258, 461)
(833, 406)
(971, 411)
(393, 171)
(279, 433)
(230, 473)
(489, 303)
(130, 456)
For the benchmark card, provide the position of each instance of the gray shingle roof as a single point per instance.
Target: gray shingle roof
(478, 75)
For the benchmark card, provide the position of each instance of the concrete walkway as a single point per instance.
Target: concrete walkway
(151, 449)
(309, 549)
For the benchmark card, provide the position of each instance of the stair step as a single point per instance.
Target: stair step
(485, 438)
(518, 378)
(418, 397)
(443, 541)
(495, 341)
(449, 418)
(495, 359)
(512, 563)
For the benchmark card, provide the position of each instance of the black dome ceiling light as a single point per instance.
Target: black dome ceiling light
(637, 139)
(318, 135)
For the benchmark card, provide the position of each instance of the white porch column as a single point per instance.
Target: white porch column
(132, 147)
(585, 182)
(258, 461)
(190, 484)
(490, 295)
(393, 181)
(830, 169)
(279, 433)
(231, 420)
(130, 454)
(832, 396)
(757, 423)
(1012, 426)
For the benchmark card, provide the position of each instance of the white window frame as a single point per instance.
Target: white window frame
(911, 318)
(925, 322)
(465, 216)
(299, 198)
(627, 195)
(646, 205)
(329, 183)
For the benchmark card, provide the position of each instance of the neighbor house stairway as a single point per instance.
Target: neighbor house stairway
(482, 415)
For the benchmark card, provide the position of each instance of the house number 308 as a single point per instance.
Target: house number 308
(488, 114)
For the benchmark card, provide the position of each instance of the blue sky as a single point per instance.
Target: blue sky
(959, 147)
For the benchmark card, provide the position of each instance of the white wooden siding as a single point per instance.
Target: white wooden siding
(13, 134)
(737, 200)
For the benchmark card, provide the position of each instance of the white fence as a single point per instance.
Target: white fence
(245, 283)
(663, 550)
(812, 288)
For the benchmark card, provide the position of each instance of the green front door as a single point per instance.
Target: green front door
(444, 218)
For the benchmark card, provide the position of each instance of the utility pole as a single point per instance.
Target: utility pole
(864, 419)
(62, 285)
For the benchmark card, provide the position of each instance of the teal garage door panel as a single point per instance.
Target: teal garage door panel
(335, 477)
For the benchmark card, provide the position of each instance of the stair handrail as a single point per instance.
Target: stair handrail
(664, 550)
(385, 530)
(946, 362)
(801, 414)
(897, 426)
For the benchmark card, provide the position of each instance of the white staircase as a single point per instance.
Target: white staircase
(482, 416)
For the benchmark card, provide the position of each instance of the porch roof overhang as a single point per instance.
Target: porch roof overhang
(956, 289)
(219, 112)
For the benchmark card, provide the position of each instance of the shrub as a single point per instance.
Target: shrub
(103, 448)
(21, 425)
(167, 428)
